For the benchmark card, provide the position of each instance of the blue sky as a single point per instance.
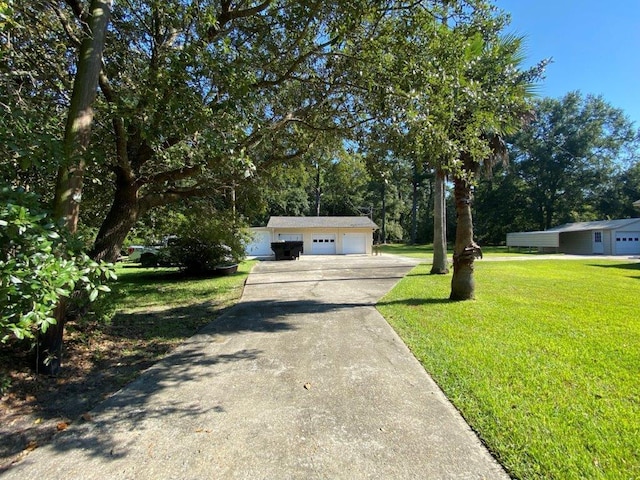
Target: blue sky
(595, 46)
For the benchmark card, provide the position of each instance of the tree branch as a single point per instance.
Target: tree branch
(248, 12)
(227, 15)
(66, 25)
(172, 175)
(296, 63)
(79, 11)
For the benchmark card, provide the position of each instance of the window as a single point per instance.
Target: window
(597, 237)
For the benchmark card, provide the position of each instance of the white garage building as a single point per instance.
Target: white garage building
(320, 235)
(608, 237)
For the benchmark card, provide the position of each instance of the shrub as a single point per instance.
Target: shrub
(38, 265)
(206, 243)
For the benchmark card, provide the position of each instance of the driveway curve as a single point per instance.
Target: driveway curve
(302, 379)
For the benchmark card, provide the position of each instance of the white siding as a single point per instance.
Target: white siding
(307, 235)
(533, 239)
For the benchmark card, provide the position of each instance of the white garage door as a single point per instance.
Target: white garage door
(354, 243)
(324, 244)
(260, 245)
(627, 243)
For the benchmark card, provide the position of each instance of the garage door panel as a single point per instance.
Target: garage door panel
(323, 244)
(627, 243)
(354, 243)
(260, 245)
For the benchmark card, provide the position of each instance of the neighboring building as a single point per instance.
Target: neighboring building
(636, 204)
(608, 237)
(321, 235)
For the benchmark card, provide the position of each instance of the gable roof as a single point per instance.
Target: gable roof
(321, 222)
(636, 204)
(601, 225)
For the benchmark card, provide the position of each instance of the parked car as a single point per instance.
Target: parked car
(136, 251)
(151, 255)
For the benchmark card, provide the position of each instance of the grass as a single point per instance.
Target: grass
(544, 365)
(144, 288)
(426, 251)
(159, 298)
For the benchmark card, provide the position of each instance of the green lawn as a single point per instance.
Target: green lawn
(544, 365)
(144, 288)
(426, 251)
(163, 306)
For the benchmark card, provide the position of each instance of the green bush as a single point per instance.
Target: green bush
(206, 243)
(38, 265)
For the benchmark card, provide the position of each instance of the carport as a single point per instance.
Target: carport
(607, 237)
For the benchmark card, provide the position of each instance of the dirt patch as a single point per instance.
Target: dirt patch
(98, 361)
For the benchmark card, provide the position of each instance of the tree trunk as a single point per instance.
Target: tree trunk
(119, 221)
(465, 250)
(440, 264)
(49, 352)
(414, 207)
(383, 230)
(69, 182)
(68, 192)
(318, 189)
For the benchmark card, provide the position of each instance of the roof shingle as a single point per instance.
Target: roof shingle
(321, 222)
(599, 225)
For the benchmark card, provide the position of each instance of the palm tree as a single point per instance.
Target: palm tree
(466, 250)
(506, 91)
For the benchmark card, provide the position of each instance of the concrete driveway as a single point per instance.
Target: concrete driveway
(302, 379)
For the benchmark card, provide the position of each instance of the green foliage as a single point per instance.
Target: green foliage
(567, 156)
(544, 365)
(572, 162)
(206, 242)
(38, 265)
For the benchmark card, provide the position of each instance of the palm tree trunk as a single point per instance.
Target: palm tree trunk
(383, 230)
(465, 250)
(414, 213)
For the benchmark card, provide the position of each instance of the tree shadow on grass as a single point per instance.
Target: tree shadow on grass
(635, 266)
(416, 302)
